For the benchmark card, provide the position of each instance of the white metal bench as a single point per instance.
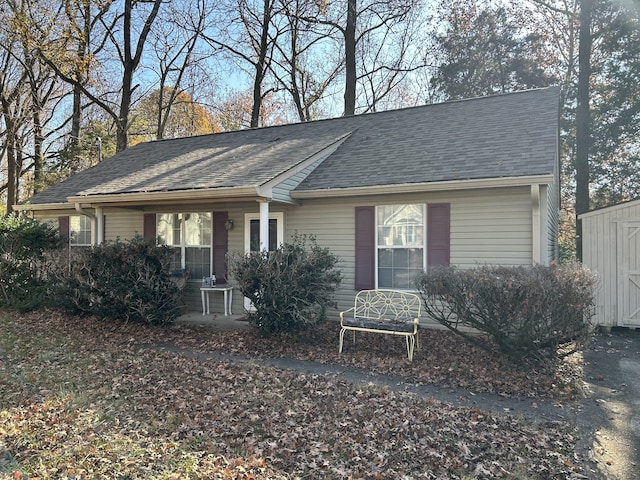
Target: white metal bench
(391, 312)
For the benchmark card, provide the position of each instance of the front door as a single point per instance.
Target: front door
(629, 265)
(252, 238)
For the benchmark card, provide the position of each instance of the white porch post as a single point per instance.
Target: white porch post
(535, 224)
(99, 226)
(264, 225)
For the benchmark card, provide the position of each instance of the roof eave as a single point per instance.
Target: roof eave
(169, 197)
(29, 207)
(425, 187)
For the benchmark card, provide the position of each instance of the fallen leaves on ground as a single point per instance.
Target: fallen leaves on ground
(83, 399)
(444, 359)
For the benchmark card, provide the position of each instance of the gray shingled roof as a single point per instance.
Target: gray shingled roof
(501, 136)
(508, 135)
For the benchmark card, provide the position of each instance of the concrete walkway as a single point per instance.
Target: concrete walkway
(609, 415)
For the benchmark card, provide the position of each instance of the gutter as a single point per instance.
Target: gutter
(168, 196)
(150, 198)
(425, 187)
(28, 207)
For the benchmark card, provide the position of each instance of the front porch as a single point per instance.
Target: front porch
(215, 321)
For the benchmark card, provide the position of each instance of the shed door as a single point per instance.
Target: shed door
(629, 265)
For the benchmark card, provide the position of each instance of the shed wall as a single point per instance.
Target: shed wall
(601, 231)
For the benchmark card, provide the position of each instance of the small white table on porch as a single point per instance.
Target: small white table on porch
(228, 297)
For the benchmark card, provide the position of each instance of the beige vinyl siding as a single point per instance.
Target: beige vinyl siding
(123, 224)
(487, 227)
(492, 227)
(332, 222)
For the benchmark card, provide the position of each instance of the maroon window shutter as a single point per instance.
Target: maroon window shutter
(220, 246)
(438, 234)
(63, 225)
(365, 248)
(149, 227)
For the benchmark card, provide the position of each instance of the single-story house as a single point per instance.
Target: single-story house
(464, 182)
(611, 248)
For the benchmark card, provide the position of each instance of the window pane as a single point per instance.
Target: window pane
(176, 260)
(385, 278)
(254, 235)
(385, 258)
(197, 228)
(400, 258)
(401, 225)
(198, 261)
(398, 267)
(168, 228)
(79, 230)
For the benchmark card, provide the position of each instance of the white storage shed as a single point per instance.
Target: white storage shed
(611, 248)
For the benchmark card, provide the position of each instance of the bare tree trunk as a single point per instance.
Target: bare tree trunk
(76, 115)
(293, 77)
(38, 140)
(11, 160)
(350, 60)
(583, 120)
(82, 50)
(127, 81)
(260, 64)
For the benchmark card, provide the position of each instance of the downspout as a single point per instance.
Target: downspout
(96, 220)
(535, 223)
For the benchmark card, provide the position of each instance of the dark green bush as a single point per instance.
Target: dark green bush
(290, 288)
(117, 280)
(23, 245)
(540, 312)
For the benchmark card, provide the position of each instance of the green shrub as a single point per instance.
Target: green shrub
(117, 280)
(541, 311)
(290, 288)
(23, 245)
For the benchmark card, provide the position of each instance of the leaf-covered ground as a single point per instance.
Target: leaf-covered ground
(83, 399)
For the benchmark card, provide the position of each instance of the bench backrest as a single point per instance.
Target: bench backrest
(387, 304)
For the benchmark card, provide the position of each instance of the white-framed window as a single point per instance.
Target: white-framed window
(190, 234)
(79, 231)
(400, 245)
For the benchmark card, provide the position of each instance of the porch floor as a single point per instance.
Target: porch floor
(215, 321)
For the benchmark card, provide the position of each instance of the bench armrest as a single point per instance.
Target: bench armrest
(346, 311)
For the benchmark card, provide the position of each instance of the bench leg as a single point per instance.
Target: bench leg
(411, 345)
(342, 332)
